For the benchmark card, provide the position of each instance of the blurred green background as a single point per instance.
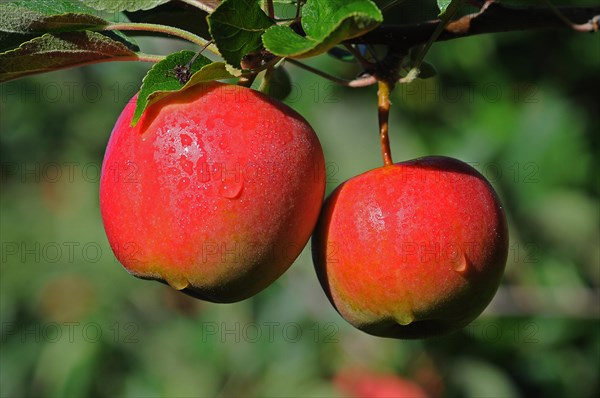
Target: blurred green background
(521, 111)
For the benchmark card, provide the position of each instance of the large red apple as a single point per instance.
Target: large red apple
(412, 249)
(215, 191)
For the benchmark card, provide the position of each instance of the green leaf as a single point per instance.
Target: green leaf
(54, 6)
(341, 54)
(160, 81)
(443, 5)
(208, 5)
(123, 38)
(236, 27)
(124, 5)
(278, 85)
(20, 22)
(326, 24)
(54, 51)
(426, 71)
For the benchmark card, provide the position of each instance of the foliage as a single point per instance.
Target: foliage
(162, 78)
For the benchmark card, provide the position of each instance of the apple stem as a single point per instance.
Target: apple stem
(385, 89)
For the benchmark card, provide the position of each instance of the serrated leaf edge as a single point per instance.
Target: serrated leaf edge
(235, 71)
(329, 33)
(158, 95)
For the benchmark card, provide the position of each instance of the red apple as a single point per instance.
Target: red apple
(365, 384)
(215, 191)
(412, 249)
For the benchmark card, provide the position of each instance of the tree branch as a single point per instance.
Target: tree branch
(492, 18)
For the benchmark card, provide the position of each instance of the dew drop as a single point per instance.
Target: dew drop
(177, 282)
(171, 149)
(183, 183)
(186, 165)
(231, 189)
(405, 318)
(461, 264)
(287, 137)
(186, 140)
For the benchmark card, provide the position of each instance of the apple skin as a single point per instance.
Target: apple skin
(215, 191)
(413, 249)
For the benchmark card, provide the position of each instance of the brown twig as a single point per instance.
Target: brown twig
(492, 18)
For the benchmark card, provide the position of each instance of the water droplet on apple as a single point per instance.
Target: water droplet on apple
(461, 264)
(222, 144)
(171, 149)
(405, 318)
(183, 183)
(177, 282)
(186, 165)
(231, 189)
(286, 137)
(186, 140)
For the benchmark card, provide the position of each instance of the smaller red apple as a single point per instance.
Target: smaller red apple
(412, 249)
